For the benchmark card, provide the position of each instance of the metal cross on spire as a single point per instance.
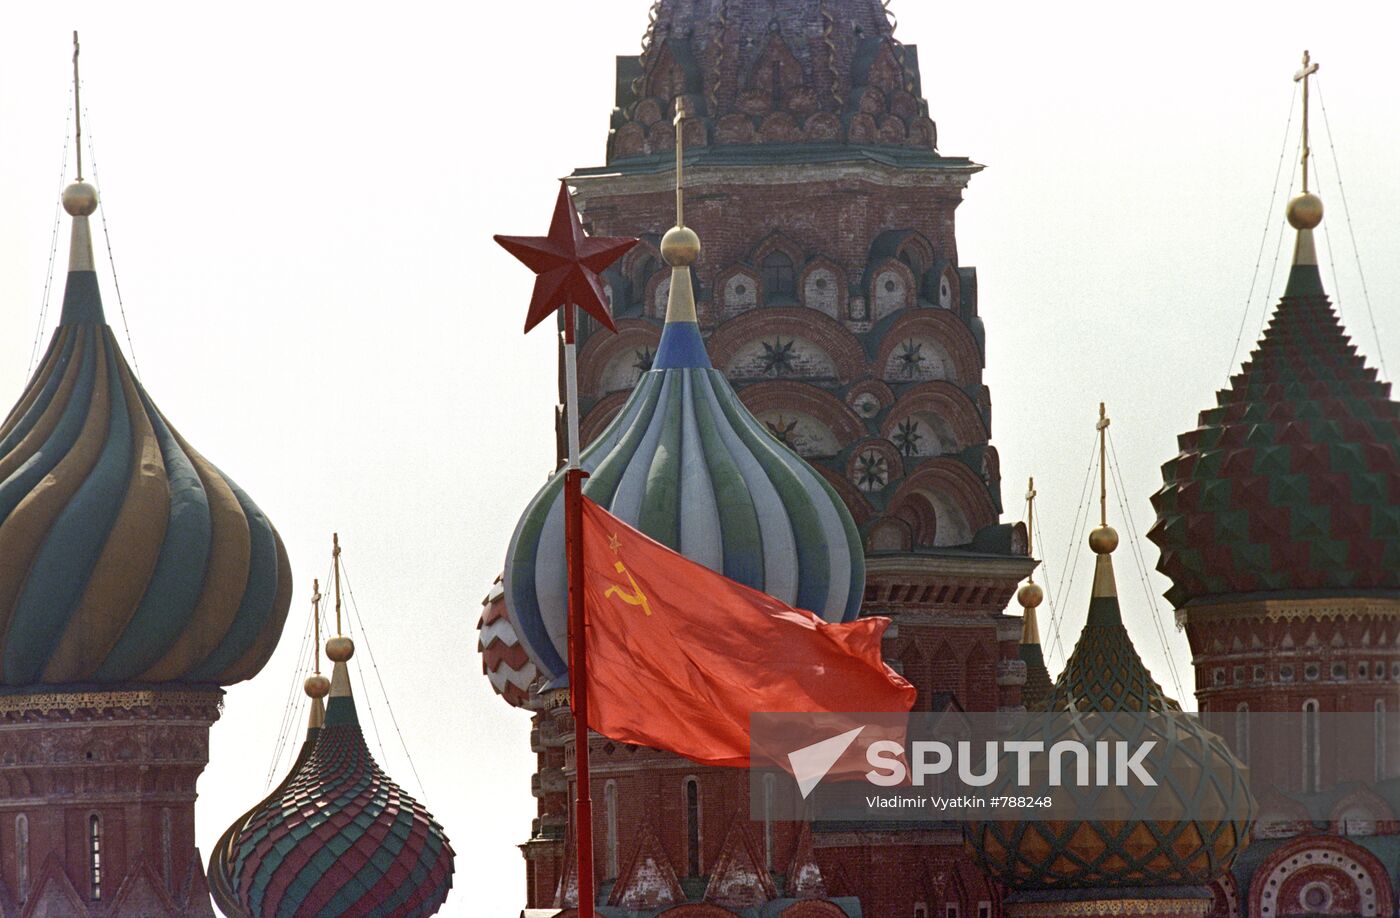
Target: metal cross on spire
(1308, 69)
(1030, 524)
(316, 620)
(680, 157)
(1102, 428)
(77, 108)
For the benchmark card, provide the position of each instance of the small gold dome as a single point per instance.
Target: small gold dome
(680, 246)
(340, 648)
(1305, 211)
(1103, 540)
(80, 199)
(1030, 595)
(317, 685)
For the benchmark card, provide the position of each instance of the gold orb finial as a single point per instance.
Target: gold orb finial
(80, 199)
(317, 685)
(680, 247)
(1103, 540)
(340, 648)
(1305, 211)
(1030, 595)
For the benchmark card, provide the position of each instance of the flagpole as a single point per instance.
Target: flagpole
(578, 635)
(566, 265)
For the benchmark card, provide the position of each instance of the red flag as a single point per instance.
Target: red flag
(680, 656)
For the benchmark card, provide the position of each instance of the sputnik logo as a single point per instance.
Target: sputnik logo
(811, 763)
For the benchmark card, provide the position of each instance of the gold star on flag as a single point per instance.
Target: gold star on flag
(614, 542)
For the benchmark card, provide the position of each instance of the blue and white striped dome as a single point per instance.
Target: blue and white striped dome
(685, 462)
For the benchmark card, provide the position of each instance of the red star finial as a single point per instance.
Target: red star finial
(567, 263)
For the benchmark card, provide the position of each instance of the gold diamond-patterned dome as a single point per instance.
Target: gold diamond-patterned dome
(1105, 676)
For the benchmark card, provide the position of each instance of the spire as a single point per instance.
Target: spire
(681, 344)
(1305, 210)
(1030, 595)
(317, 686)
(1104, 538)
(1037, 685)
(82, 303)
(339, 649)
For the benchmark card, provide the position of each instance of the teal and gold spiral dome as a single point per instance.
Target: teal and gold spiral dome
(125, 555)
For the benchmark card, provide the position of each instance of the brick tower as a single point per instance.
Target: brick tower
(830, 296)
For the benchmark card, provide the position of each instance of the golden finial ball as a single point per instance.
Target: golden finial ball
(680, 246)
(317, 685)
(1103, 540)
(1030, 595)
(340, 648)
(80, 199)
(1305, 211)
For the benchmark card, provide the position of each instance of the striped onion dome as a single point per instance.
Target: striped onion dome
(338, 836)
(685, 462)
(125, 555)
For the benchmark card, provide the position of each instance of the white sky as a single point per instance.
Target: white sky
(301, 202)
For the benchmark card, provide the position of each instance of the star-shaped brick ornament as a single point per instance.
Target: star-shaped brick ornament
(567, 263)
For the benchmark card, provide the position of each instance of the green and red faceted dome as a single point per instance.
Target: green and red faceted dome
(338, 836)
(1290, 486)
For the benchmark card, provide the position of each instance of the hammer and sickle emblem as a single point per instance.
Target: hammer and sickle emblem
(636, 597)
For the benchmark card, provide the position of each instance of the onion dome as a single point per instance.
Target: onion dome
(337, 837)
(503, 660)
(1290, 486)
(219, 874)
(1104, 673)
(686, 463)
(125, 555)
(1036, 688)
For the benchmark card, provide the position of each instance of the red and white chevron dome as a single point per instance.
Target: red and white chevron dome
(503, 659)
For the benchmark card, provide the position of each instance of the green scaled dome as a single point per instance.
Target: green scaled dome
(1105, 674)
(1291, 485)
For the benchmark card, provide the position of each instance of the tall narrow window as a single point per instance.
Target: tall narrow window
(167, 831)
(1242, 732)
(610, 804)
(778, 278)
(768, 783)
(692, 827)
(1312, 780)
(1380, 740)
(95, 854)
(22, 855)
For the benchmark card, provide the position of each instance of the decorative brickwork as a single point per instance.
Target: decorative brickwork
(97, 793)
